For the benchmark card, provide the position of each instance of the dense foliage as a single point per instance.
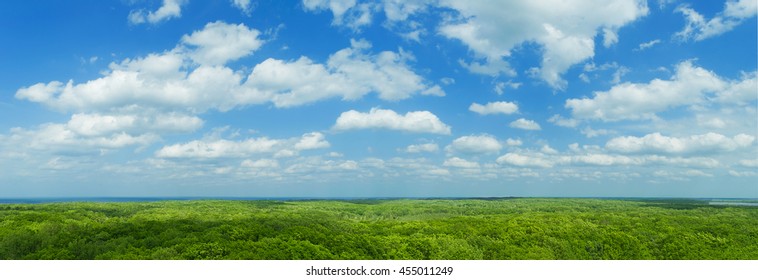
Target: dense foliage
(380, 229)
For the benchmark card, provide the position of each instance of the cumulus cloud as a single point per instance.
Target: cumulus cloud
(357, 14)
(142, 122)
(349, 73)
(92, 133)
(310, 141)
(345, 12)
(741, 92)
(474, 144)
(562, 121)
(513, 142)
(169, 9)
(460, 163)
(169, 80)
(217, 148)
(161, 80)
(492, 29)
(524, 160)
(244, 5)
(699, 28)
(422, 148)
(525, 124)
(579, 158)
(260, 164)
(500, 107)
(590, 133)
(689, 85)
(657, 143)
(600, 160)
(492, 33)
(219, 42)
(61, 139)
(416, 121)
(223, 148)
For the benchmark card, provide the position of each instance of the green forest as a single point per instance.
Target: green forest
(395, 229)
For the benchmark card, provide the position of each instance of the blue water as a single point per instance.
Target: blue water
(130, 199)
(37, 200)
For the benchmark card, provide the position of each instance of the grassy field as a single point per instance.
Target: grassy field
(521, 228)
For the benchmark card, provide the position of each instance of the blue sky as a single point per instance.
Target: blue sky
(320, 98)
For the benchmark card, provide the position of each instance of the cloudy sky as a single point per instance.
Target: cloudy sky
(352, 98)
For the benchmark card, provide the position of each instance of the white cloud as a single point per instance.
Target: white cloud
(310, 141)
(740, 92)
(579, 158)
(648, 45)
(697, 173)
(92, 133)
(590, 133)
(159, 80)
(447, 81)
(422, 148)
(100, 124)
(40, 92)
(620, 72)
(524, 160)
(591, 67)
(610, 37)
(437, 172)
(500, 87)
(338, 7)
(513, 142)
(657, 143)
(349, 73)
(564, 122)
(355, 14)
(492, 108)
(491, 33)
(490, 67)
(417, 121)
(460, 163)
(218, 148)
(244, 5)
(749, 162)
(525, 124)
(219, 42)
(260, 164)
(474, 144)
(703, 162)
(345, 12)
(169, 9)
(698, 28)
(492, 29)
(546, 149)
(690, 85)
(663, 3)
(168, 81)
(349, 165)
(584, 77)
(400, 10)
(223, 148)
(601, 160)
(61, 139)
(710, 122)
(743, 173)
